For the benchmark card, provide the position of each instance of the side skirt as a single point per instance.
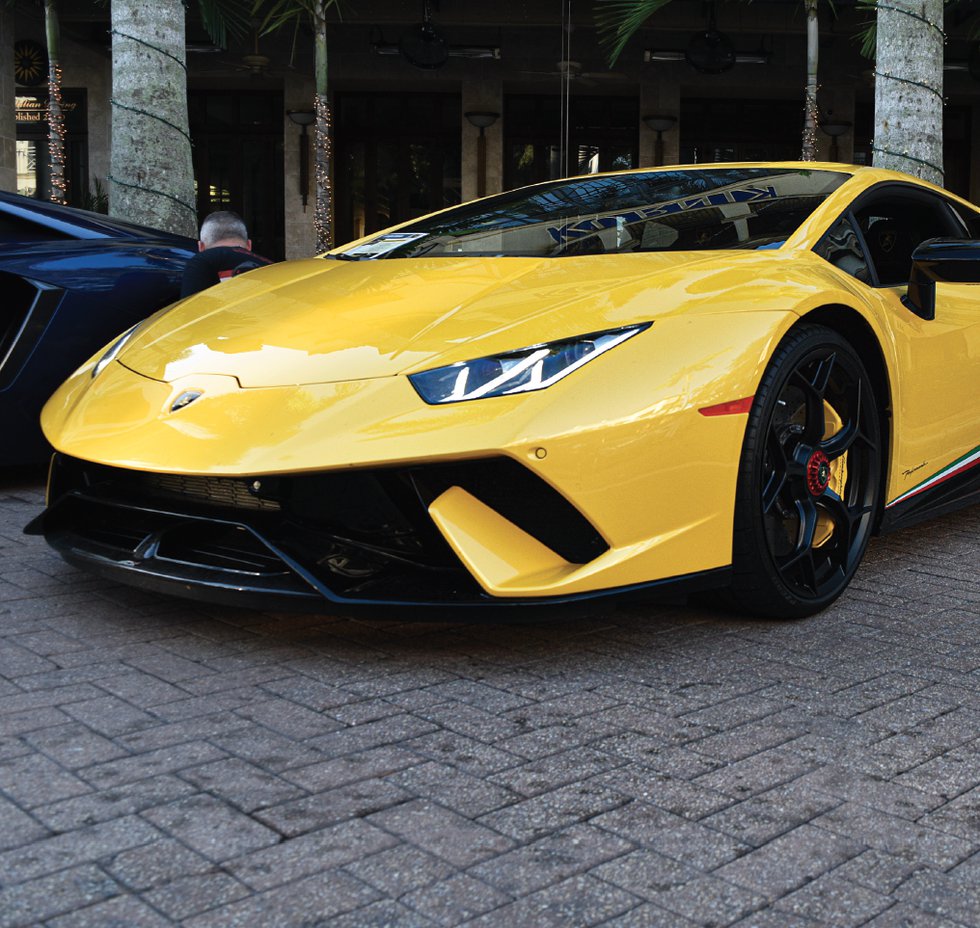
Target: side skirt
(952, 488)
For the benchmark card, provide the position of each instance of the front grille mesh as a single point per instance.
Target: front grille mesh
(218, 491)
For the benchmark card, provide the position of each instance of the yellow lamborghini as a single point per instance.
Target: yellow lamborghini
(719, 376)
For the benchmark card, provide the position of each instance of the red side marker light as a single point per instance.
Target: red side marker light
(732, 408)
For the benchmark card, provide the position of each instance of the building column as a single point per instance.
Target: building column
(660, 96)
(482, 97)
(8, 125)
(836, 106)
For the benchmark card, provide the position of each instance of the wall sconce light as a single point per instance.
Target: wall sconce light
(660, 125)
(835, 128)
(303, 119)
(481, 121)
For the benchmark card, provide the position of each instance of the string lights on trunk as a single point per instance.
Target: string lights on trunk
(56, 135)
(322, 220)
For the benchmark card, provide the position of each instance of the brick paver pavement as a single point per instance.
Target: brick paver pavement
(166, 763)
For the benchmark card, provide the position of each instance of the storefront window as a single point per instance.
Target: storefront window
(33, 170)
(238, 160)
(740, 130)
(602, 137)
(27, 168)
(398, 157)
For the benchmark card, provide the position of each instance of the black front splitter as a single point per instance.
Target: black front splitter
(203, 585)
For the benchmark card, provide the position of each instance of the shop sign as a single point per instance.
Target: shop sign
(32, 109)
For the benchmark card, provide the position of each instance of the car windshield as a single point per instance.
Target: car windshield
(682, 210)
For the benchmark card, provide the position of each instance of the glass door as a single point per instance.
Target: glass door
(238, 163)
(398, 157)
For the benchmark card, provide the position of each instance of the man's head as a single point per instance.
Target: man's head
(224, 228)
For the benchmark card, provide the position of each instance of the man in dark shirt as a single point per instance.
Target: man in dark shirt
(224, 251)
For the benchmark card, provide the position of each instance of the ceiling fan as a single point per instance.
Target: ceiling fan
(709, 51)
(425, 47)
(254, 64)
(569, 70)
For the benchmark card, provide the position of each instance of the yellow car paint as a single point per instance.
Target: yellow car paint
(302, 367)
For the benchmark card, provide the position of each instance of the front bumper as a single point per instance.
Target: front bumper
(309, 541)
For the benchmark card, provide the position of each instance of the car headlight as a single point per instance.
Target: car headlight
(533, 368)
(113, 350)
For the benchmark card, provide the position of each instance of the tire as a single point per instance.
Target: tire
(809, 484)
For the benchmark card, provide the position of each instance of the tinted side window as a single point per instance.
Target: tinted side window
(16, 229)
(893, 225)
(840, 246)
(970, 219)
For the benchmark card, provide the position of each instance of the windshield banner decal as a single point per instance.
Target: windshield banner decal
(584, 227)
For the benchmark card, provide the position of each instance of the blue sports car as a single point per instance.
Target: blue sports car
(69, 281)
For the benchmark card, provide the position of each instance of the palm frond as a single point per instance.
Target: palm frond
(867, 37)
(222, 18)
(619, 20)
(274, 14)
(972, 26)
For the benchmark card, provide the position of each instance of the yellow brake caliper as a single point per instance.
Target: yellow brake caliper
(838, 474)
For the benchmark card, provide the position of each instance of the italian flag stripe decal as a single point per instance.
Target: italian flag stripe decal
(970, 459)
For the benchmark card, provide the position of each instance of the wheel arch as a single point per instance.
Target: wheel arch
(852, 326)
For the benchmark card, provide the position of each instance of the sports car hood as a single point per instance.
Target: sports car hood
(321, 321)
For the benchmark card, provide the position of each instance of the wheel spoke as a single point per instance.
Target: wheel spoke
(845, 519)
(814, 388)
(776, 478)
(799, 562)
(841, 441)
(808, 523)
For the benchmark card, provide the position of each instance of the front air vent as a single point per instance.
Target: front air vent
(24, 312)
(521, 497)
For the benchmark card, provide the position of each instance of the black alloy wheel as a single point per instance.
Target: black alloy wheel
(809, 485)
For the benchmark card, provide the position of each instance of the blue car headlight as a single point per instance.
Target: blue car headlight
(521, 371)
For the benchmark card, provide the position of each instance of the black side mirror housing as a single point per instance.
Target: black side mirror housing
(940, 260)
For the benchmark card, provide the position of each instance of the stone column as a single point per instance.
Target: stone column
(660, 96)
(8, 125)
(837, 105)
(482, 97)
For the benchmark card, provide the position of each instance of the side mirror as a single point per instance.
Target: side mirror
(940, 260)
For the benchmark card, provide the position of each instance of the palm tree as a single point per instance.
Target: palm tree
(619, 20)
(151, 177)
(811, 117)
(280, 12)
(56, 116)
(909, 88)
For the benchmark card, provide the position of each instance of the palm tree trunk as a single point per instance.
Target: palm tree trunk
(323, 213)
(151, 175)
(56, 115)
(909, 88)
(810, 115)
